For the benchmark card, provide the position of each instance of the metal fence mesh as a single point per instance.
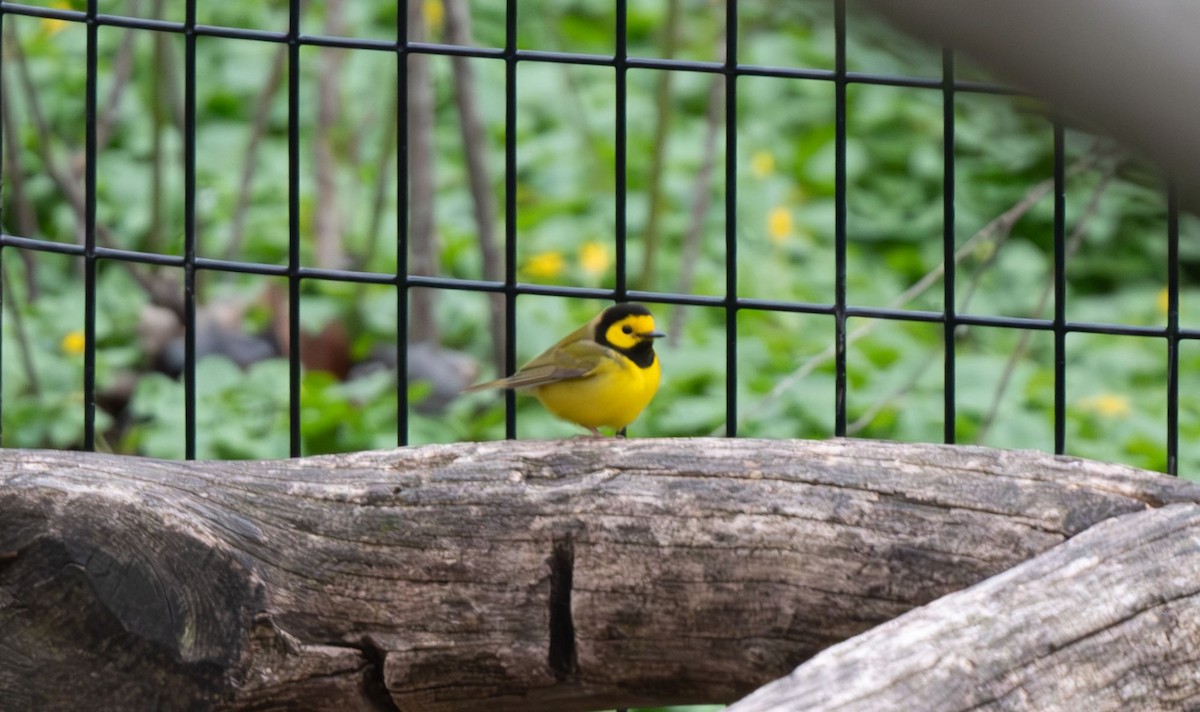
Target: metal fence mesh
(737, 300)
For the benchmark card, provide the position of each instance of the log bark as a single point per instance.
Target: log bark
(566, 575)
(1108, 621)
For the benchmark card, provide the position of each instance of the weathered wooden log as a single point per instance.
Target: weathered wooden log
(1107, 621)
(565, 575)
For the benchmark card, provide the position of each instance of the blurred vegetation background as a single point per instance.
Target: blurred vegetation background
(565, 231)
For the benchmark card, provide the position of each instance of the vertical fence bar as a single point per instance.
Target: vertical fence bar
(1172, 330)
(293, 269)
(510, 213)
(731, 260)
(1060, 291)
(89, 232)
(621, 147)
(948, 246)
(3, 217)
(189, 231)
(402, 235)
(839, 179)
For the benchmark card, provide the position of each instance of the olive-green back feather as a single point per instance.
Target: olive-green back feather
(574, 356)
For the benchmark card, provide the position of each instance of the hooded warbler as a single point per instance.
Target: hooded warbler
(603, 374)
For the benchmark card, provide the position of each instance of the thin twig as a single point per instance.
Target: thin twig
(154, 231)
(581, 118)
(383, 183)
(1095, 151)
(1074, 242)
(899, 392)
(159, 89)
(474, 138)
(9, 297)
(1001, 224)
(327, 220)
(161, 291)
(658, 157)
(168, 72)
(122, 69)
(27, 222)
(258, 128)
(41, 127)
(701, 197)
(422, 236)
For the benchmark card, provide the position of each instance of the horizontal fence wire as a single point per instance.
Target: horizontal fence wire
(730, 70)
(545, 290)
(507, 54)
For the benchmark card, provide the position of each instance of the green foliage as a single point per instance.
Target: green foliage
(565, 227)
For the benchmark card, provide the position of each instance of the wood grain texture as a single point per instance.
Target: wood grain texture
(1107, 621)
(564, 575)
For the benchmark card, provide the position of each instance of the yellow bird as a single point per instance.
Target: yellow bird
(601, 375)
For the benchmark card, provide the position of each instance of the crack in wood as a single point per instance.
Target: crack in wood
(374, 678)
(7, 558)
(563, 657)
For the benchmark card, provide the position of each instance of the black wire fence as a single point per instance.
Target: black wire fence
(741, 291)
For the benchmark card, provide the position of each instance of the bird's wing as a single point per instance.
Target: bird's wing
(564, 361)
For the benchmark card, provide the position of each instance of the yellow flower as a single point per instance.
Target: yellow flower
(73, 343)
(546, 265)
(779, 224)
(435, 14)
(762, 164)
(1163, 301)
(593, 258)
(50, 26)
(1107, 404)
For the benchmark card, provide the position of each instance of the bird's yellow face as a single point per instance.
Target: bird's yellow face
(629, 331)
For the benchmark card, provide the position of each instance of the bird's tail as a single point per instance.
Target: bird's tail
(487, 385)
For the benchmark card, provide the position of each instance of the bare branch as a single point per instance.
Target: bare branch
(663, 108)
(422, 247)
(122, 69)
(8, 300)
(27, 222)
(996, 228)
(161, 291)
(1073, 243)
(327, 221)
(258, 128)
(701, 197)
(474, 138)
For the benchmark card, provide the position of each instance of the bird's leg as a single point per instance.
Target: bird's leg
(621, 433)
(596, 433)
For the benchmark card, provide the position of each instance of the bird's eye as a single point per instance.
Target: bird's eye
(627, 329)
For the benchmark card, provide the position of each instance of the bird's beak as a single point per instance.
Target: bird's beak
(654, 335)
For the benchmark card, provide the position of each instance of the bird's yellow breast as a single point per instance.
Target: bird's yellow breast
(611, 396)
